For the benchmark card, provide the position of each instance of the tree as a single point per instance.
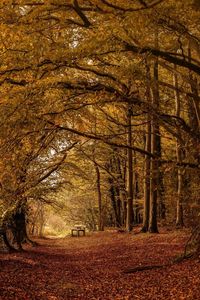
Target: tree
(129, 219)
(179, 151)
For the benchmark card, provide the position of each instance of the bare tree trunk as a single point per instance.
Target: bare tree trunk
(153, 184)
(118, 204)
(147, 163)
(113, 202)
(12, 222)
(147, 178)
(179, 206)
(124, 192)
(6, 241)
(156, 151)
(41, 221)
(115, 188)
(129, 218)
(100, 221)
(119, 190)
(194, 109)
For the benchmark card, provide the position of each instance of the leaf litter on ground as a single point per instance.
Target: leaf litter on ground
(94, 267)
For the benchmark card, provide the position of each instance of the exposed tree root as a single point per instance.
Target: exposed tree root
(144, 268)
(177, 260)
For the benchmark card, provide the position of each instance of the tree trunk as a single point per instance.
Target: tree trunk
(147, 177)
(193, 103)
(156, 151)
(153, 185)
(118, 205)
(179, 206)
(129, 218)
(158, 147)
(193, 108)
(100, 221)
(12, 228)
(147, 163)
(6, 241)
(119, 189)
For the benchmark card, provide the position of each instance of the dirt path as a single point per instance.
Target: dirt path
(92, 267)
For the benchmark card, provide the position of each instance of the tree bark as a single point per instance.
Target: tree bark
(100, 221)
(193, 107)
(147, 163)
(194, 110)
(158, 147)
(179, 154)
(147, 166)
(153, 185)
(155, 151)
(129, 218)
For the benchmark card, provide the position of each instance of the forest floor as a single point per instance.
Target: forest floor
(92, 267)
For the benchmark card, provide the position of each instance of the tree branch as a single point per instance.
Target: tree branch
(80, 13)
(98, 138)
(123, 9)
(172, 58)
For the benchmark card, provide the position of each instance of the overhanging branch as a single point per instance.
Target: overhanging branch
(80, 13)
(164, 55)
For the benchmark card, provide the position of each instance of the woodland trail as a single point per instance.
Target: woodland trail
(92, 267)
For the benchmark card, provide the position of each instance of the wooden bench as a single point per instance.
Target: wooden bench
(77, 230)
